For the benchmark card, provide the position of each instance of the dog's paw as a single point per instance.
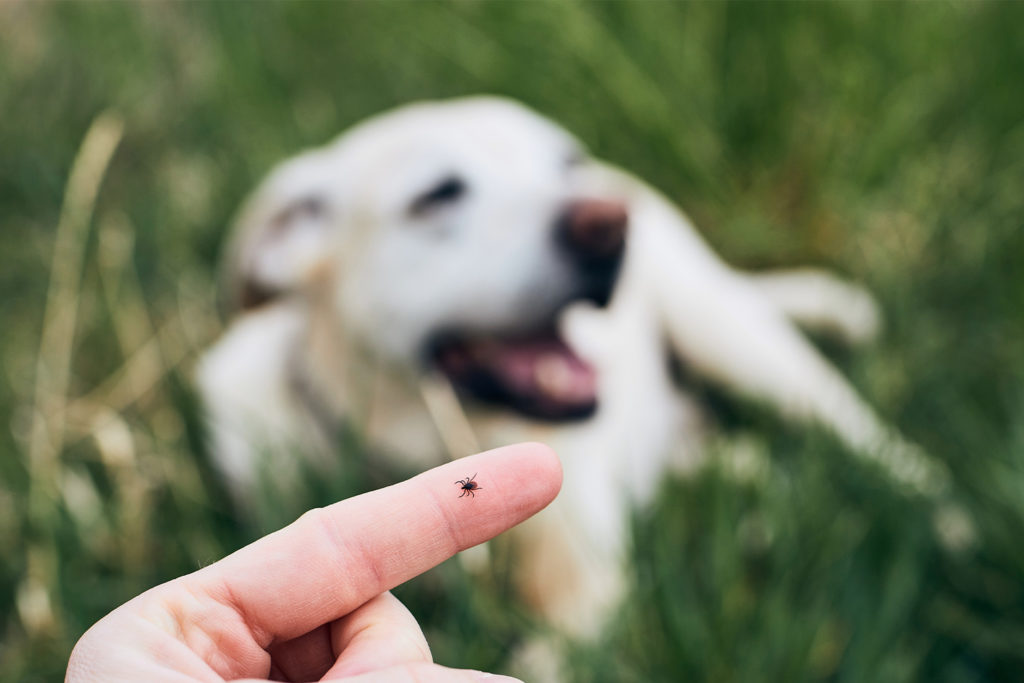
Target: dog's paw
(858, 320)
(821, 302)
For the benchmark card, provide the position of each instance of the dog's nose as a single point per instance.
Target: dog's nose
(594, 229)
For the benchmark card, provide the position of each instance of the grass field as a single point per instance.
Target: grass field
(885, 140)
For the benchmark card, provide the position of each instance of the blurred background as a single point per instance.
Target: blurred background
(885, 140)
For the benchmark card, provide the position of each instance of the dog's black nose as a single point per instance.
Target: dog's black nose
(594, 230)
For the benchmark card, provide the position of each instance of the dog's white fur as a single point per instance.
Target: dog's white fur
(360, 283)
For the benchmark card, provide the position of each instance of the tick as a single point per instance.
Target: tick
(469, 486)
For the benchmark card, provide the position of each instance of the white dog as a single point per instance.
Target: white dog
(459, 275)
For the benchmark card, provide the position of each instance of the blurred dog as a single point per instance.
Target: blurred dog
(460, 275)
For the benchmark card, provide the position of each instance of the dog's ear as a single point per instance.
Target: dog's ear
(281, 237)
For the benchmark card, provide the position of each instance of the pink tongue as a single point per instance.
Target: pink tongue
(542, 367)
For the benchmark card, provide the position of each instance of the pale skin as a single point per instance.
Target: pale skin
(311, 602)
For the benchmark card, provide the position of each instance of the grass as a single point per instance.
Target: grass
(883, 140)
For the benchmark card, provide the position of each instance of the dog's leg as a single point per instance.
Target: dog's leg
(819, 301)
(574, 580)
(569, 565)
(727, 329)
(257, 432)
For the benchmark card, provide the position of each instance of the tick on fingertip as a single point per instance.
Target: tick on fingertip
(468, 486)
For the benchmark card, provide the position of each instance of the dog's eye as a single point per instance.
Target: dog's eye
(445, 192)
(310, 208)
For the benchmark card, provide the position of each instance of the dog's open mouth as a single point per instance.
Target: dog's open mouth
(537, 375)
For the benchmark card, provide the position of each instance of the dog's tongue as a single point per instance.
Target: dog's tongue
(545, 367)
(540, 376)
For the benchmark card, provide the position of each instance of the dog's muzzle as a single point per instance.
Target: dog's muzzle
(535, 372)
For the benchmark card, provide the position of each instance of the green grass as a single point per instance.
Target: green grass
(885, 140)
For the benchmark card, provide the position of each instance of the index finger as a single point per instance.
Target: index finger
(333, 559)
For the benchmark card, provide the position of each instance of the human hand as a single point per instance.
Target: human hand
(311, 601)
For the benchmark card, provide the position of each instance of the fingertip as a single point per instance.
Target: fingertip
(544, 453)
(533, 464)
(548, 464)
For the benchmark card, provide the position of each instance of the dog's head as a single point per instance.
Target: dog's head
(450, 234)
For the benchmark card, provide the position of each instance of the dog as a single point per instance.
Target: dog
(458, 275)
